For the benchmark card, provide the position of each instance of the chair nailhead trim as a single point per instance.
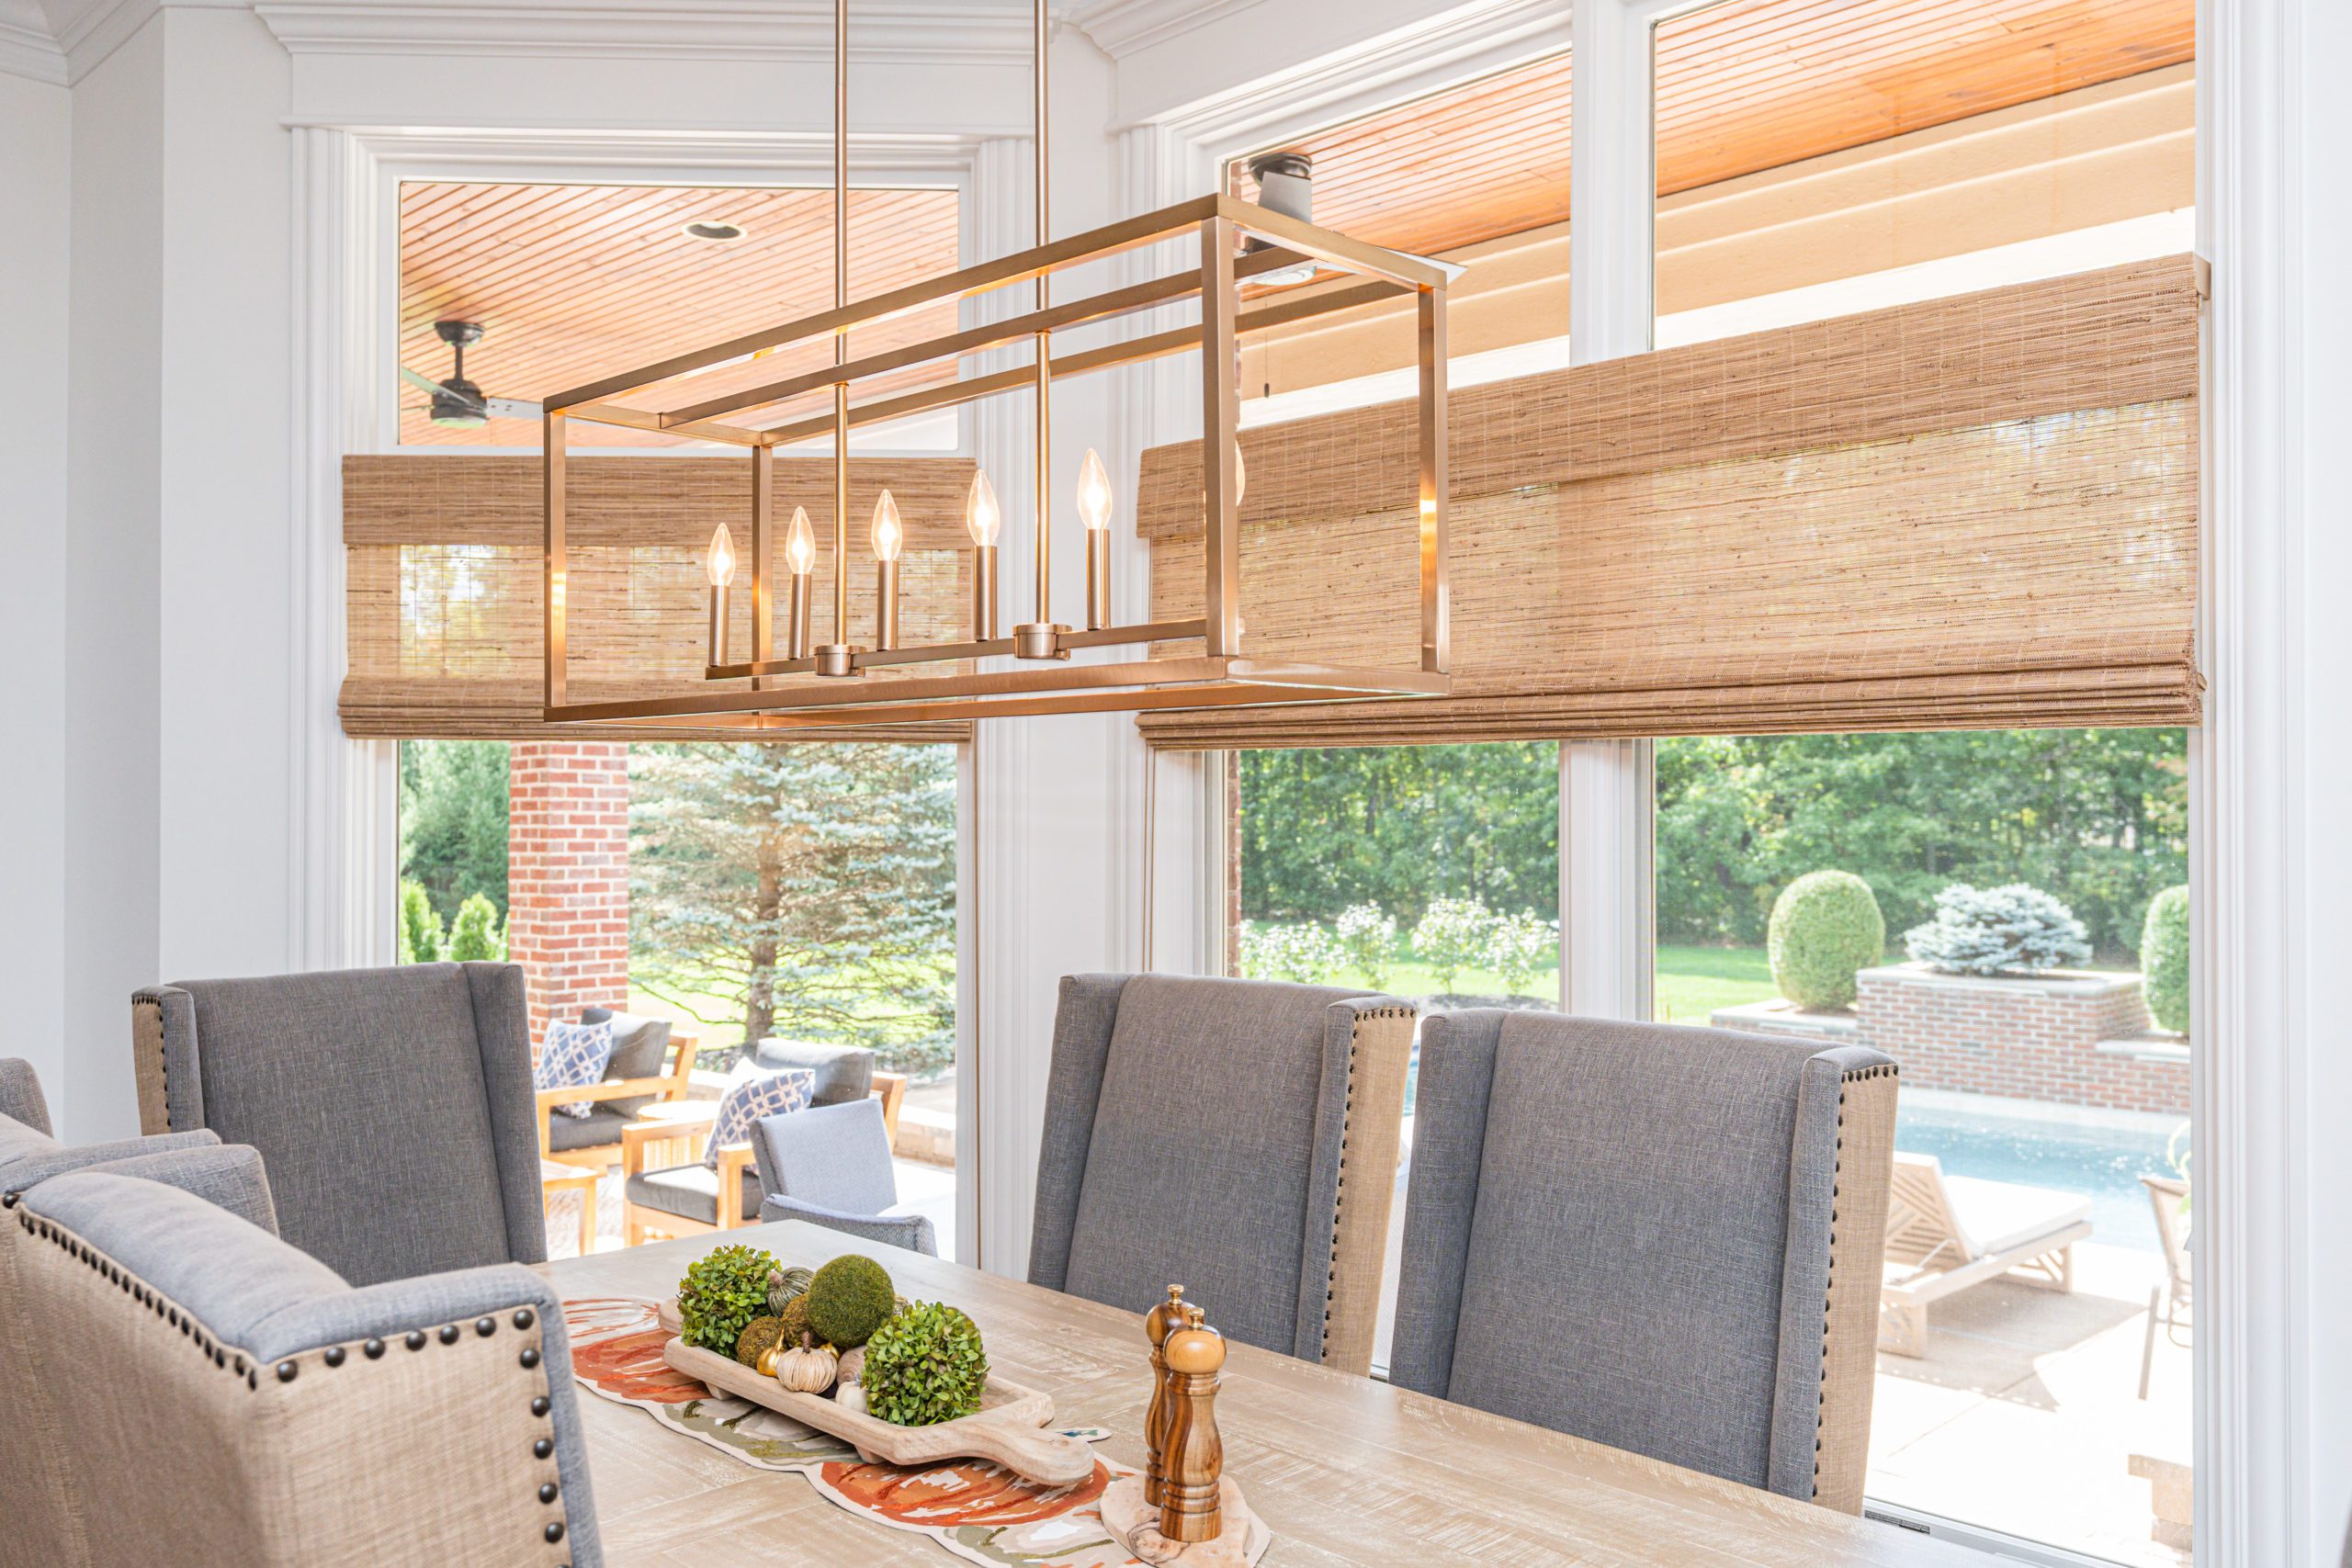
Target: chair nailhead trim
(542, 1446)
(334, 1356)
(448, 1334)
(485, 1326)
(415, 1339)
(373, 1350)
(1836, 1176)
(547, 1492)
(286, 1372)
(539, 1406)
(530, 1358)
(555, 1531)
(522, 1318)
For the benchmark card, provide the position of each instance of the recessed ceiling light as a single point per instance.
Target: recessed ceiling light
(718, 230)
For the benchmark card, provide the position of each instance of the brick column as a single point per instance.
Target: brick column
(567, 875)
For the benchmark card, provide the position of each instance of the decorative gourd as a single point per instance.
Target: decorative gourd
(849, 1396)
(852, 1362)
(765, 1365)
(786, 1283)
(808, 1370)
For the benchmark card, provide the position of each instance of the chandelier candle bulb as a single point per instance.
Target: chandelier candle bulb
(719, 565)
(1094, 502)
(800, 559)
(983, 519)
(890, 539)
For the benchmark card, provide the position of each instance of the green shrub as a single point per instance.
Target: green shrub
(2015, 929)
(2164, 959)
(1304, 953)
(925, 1366)
(850, 1298)
(474, 937)
(1825, 925)
(1451, 937)
(420, 927)
(1368, 936)
(720, 1296)
(1518, 946)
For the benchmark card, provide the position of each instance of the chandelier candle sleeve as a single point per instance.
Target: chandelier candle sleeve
(719, 565)
(890, 539)
(982, 520)
(1095, 500)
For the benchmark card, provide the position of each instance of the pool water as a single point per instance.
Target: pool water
(2104, 1163)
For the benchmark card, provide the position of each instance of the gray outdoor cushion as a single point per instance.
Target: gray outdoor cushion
(834, 1157)
(1193, 1132)
(595, 1131)
(689, 1191)
(1621, 1231)
(247, 1301)
(393, 1107)
(21, 1096)
(640, 1050)
(844, 1072)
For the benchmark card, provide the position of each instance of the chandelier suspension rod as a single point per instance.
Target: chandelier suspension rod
(1045, 354)
(841, 339)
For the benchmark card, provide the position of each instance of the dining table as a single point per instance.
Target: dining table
(1343, 1468)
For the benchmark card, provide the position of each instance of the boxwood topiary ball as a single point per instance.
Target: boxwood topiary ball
(2164, 959)
(1825, 925)
(720, 1296)
(850, 1298)
(925, 1366)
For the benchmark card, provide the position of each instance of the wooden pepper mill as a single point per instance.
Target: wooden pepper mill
(1193, 1463)
(1158, 1325)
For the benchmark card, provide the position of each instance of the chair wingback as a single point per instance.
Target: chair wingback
(239, 1401)
(20, 1097)
(1664, 1239)
(834, 1156)
(393, 1107)
(1238, 1135)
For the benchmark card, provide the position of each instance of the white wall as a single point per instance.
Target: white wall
(112, 760)
(35, 127)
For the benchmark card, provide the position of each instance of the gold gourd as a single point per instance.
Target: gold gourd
(811, 1369)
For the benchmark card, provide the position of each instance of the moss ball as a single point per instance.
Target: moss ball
(793, 1320)
(850, 1298)
(758, 1335)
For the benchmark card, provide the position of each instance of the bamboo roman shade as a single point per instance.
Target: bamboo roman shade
(443, 603)
(1978, 511)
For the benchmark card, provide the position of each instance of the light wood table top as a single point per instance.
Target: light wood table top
(1343, 1468)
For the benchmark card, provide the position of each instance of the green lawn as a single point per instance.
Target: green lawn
(1692, 982)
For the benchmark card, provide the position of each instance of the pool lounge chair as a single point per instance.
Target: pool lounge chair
(1947, 1233)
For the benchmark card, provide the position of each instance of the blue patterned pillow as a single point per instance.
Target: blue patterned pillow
(771, 1095)
(573, 1057)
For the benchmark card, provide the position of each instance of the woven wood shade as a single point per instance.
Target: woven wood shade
(1973, 513)
(442, 598)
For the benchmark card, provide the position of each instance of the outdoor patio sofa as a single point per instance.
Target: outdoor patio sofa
(1945, 1234)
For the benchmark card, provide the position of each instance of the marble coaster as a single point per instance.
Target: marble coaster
(1242, 1543)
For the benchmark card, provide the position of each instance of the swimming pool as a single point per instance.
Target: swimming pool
(2104, 1163)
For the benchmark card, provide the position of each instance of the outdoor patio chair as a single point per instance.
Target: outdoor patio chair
(43, 1527)
(830, 1165)
(2169, 1198)
(1663, 1239)
(705, 1188)
(652, 1064)
(1238, 1135)
(845, 1073)
(229, 1399)
(1945, 1234)
(393, 1107)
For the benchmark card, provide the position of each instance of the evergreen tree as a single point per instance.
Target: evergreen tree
(420, 927)
(810, 885)
(476, 936)
(453, 821)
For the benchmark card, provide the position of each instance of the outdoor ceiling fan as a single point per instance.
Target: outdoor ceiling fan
(458, 403)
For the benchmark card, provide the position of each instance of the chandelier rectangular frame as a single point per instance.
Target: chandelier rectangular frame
(874, 685)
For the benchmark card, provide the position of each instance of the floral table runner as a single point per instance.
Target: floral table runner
(978, 1511)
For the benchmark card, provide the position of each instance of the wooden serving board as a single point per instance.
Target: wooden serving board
(1006, 1431)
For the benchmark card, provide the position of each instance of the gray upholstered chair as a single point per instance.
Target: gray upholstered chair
(830, 1165)
(393, 1107)
(1666, 1240)
(43, 1527)
(843, 1073)
(239, 1403)
(1237, 1135)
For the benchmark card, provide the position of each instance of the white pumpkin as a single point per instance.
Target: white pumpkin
(808, 1370)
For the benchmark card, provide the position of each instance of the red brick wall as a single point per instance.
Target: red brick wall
(567, 875)
(2025, 1039)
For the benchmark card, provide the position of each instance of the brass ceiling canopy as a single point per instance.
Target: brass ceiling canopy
(709, 393)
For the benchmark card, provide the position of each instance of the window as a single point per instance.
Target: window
(1817, 161)
(1431, 873)
(1858, 887)
(572, 282)
(742, 891)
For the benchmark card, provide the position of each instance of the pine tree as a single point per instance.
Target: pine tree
(420, 927)
(475, 937)
(811, 885)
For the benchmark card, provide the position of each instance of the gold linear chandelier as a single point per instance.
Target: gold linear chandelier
(707, 393)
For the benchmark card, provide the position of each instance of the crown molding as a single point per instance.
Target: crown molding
(949, 32)
(1119, 27)
(28, 51)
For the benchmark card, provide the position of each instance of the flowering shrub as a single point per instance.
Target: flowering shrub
(1368, 936)
(1304, 953)
(1451, 937)
(2015, 929)
(1518, 946)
